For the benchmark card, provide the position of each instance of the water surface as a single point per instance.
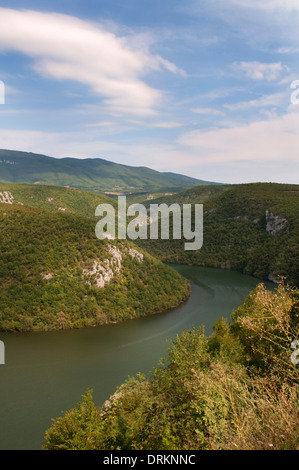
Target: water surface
(47, 372)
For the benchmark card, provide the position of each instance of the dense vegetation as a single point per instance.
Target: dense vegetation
(46, 247)
(46, 274)
(91, 173)
(237, 389)
(54, 198)
(196, 195)
(252, 228)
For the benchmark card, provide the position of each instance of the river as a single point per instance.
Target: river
(46, 373)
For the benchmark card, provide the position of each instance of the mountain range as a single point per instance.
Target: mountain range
(94, 174)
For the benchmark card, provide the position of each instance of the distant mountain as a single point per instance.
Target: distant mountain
(93, 174)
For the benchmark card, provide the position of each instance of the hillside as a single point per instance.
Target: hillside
(252, 228)
(93, 174)
(53, 198)
(197, 195)
(55, 273)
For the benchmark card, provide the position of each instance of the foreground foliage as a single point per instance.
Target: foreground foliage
(237, 389)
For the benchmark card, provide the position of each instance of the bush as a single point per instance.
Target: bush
(235, 390)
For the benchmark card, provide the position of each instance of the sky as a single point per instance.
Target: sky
(205, 88)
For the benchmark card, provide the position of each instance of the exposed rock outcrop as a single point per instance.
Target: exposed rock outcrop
(104, 271)
(46, 276)
(275, 224)
(136, 254)
(6, 197)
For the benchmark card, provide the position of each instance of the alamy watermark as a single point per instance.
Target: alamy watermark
(146, 224)
(2, 353)
(2, 92)
(295, 94)
(295, 353)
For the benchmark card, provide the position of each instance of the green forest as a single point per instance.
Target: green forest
(48, 240)
(55, 198)
(234, 389)
(251, 228)
(43, 287)
(149, 229)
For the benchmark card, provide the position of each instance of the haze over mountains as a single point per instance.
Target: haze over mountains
(93, 174)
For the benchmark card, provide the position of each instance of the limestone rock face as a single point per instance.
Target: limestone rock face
(6, 197)
(104, 271)
(275, 224)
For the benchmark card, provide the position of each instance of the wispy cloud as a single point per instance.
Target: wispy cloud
(273, 100)
(166, 124)
(267, 5)
(66, 48)
(287, 50)
(258, 70)
(259, 22)
(265, 140)
(101, 124)
(208, 111)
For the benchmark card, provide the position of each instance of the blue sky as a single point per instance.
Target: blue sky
(199, 87)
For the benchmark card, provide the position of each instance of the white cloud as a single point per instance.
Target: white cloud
(258, 70)
(60, 144)
(66, 48)
(273, 100)
(275, 139)
(26, 140)
(208, 111)
(267, 5)
(262, 151)
(10, 90)
(260, 22)
(101, 124)
(166, 124)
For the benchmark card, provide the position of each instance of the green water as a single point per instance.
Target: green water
(46, 373)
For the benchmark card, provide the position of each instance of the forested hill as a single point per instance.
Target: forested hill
(94, 174)
(55, 274)
(53, 198)
(252, 228)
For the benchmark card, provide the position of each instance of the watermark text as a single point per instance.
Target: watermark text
(295, 94)
(186, 221)
(2, 92)
(295, 353)
(2, 353)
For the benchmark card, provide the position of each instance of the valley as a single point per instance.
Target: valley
(251, 228)
(149, 229)
(112, 306)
